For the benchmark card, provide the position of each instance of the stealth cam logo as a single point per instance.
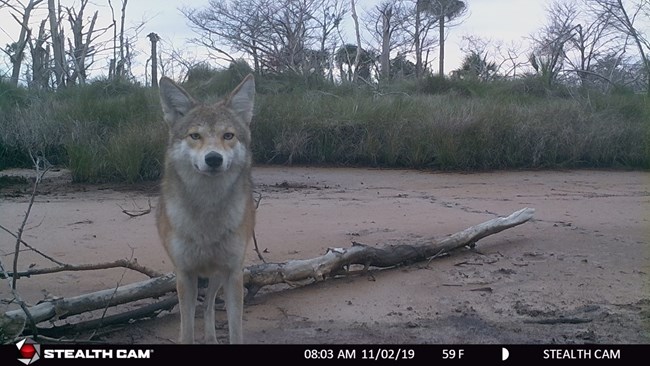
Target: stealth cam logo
(30, 351)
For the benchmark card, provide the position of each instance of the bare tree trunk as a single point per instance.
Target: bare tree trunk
(416, 40)
(112, 63)
(40, 59)
(23, 38)
(117, 65)
(86, 48)
(441, 61)
(386, 16)
(80, 47)
(357, 57)
(153, 37)
(256, 60)
(120, 70)
(57, 45)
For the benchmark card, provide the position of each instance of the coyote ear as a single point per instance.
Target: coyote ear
(175, 101)
(241, 100)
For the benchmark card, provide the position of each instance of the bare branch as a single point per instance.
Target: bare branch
(624, 19)
(32, 248)
(120, 263)
(38, 177)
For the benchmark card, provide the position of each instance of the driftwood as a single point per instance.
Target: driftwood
(338, 260)
(142, 312)
(335, 262)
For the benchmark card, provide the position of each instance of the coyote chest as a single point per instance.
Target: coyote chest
(207, 230)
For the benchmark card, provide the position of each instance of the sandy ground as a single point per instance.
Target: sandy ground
(578, 273)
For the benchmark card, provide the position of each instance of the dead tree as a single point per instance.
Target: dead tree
(624, 17)
(58, 47)
(117, 67)
(386, 31)
(80, 46)
(383, 23)
(550, 43)
(357, 56)
(153, 37)
(16, 52)
(40, 58)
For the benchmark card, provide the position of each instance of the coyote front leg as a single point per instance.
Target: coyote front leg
(186, 286)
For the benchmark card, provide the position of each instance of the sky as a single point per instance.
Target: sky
(496, 20)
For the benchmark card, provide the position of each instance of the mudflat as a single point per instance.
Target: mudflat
(577, 273)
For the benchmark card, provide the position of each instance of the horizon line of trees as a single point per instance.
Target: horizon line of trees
(601, 44)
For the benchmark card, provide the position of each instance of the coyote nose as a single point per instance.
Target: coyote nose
(213, 159)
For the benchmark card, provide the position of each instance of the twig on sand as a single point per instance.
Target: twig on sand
(136, 213)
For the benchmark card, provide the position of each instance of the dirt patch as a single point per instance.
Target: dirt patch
(578, 273)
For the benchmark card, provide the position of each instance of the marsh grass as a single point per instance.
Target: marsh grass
(113, 132)
(449, 132)
(103, 132)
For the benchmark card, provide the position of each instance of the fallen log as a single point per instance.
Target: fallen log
(142, 312)
(63, 307)
(335, 262)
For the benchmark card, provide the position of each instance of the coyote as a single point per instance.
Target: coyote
(206, 213)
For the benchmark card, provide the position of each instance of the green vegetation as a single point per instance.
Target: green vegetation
(103, 132)
(109, 131)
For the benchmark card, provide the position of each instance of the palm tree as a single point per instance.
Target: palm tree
(476, 67)
(346, 55)
(444, 10)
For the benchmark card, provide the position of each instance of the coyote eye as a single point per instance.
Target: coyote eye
(195, 136)
(228, 136)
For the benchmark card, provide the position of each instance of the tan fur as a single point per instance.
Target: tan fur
(206, 213)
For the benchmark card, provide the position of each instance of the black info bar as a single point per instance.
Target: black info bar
(28, 352)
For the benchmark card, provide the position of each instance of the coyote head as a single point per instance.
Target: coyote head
(208, 138)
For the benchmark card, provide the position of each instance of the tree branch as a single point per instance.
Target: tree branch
(120, 263)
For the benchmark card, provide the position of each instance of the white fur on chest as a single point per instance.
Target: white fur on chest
(206, 225)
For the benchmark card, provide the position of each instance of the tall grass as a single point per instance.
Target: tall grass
(449, 132)
(105, 131)
(113, 132)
